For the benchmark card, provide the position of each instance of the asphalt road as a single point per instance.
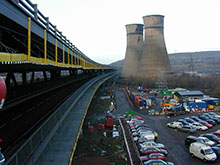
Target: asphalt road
(172, 139)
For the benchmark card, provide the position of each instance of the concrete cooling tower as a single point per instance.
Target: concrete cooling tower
(154, 59)
(133, 51)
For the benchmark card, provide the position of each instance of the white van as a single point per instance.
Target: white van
(202, 151)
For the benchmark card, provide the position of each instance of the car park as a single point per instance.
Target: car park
(152, 157)
(160, 162)
(211, 137)
(217, 151)
(187, 129)
(202, 151)
(149, 150)
(150, 144)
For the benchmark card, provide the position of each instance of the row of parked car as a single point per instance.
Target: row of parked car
(205, 147)
(144, 137)
(190, 124)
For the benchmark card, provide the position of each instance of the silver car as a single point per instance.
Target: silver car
(151, 144)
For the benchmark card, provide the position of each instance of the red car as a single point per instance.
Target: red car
(216, 134)
(153, 156)
(149, 150)
(206, 124)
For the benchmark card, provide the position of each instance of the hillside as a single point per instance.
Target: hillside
(206, 61)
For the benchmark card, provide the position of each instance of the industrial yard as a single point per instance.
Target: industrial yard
(103, 144)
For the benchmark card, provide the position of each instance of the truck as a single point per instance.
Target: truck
(202, 151)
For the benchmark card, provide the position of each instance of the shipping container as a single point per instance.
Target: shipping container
(199, 105)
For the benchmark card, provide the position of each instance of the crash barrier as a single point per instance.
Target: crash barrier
(126, 142)
(126, 94)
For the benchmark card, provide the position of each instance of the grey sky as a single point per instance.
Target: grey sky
(97, 27)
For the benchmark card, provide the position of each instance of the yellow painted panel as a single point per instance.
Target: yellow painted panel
(4, 57)
(18, 57)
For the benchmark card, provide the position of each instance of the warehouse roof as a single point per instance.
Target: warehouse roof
(189, 93)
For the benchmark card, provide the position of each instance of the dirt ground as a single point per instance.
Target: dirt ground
(100, 146)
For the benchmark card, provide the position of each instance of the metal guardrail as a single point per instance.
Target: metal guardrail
(24, 153)
(30, 9)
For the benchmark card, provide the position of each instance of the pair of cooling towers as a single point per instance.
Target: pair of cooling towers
(146, 58)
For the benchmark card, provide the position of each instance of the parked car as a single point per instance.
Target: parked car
(152, 157)
(184, 122)
(187, 128)
(196, 118)
(199, 126)
(161, 162)
(217, 151)
(202, 151)
(150, 144)
(204, 117)
(206, 124)
(174, 124)
(216, 119)
(149, 150)
(216, 134)
(148, 135)
(190, 139)
(210, 121)
(206, 141)
(190, 120)
(213, 114)
(211, 137)
(139, 139)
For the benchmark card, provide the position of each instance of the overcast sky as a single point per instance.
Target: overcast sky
(97, 27)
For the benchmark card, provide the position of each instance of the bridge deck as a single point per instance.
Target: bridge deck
(60, 149)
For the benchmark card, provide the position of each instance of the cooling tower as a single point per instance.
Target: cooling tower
(133, 51)
(154, 59)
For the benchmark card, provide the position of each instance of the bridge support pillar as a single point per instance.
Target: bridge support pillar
(24, 78)
(10, 76)
(45, 75)
(55, 74)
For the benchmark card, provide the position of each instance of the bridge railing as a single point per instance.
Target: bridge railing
(31, 10)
